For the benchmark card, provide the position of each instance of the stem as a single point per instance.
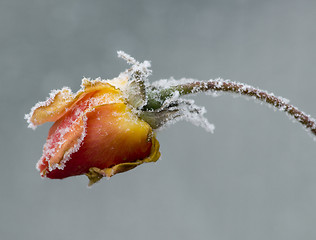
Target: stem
(238, 88)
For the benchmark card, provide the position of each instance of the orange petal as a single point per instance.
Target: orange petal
(51, 109)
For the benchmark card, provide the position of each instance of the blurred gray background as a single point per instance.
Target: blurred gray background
(254, 178)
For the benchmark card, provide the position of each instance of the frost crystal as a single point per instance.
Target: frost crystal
(192, 113)
(167, 83)
(141, 69)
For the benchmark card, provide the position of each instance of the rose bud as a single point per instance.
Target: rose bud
(108, 126)
(95, 132)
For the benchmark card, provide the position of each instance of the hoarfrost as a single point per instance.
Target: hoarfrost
(57, 140)
(193, 114)
(166, 83)
(143, 67)
(129, 59)
(219, 85)
(177, 109)
(138, 74)
(75, 148)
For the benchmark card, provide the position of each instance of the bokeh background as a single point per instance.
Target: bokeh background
(254, 178)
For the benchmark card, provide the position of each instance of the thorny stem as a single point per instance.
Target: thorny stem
(238, 88)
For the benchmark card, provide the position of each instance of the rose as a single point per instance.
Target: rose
(95, 132)
(107, 127)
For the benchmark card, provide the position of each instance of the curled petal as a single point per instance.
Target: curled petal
(51, 109)
(61, 101)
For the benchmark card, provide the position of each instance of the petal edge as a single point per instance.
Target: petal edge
(51, 109)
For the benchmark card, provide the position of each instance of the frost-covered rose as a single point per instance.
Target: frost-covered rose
(108, 126)
(95, 132)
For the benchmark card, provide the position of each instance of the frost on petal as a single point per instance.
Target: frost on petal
(88, 85)
(61, 101)
(51, 109)
(64, 137)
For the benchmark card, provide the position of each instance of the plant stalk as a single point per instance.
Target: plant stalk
(232, 87)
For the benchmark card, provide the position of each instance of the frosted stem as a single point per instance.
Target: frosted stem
(243, 89)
